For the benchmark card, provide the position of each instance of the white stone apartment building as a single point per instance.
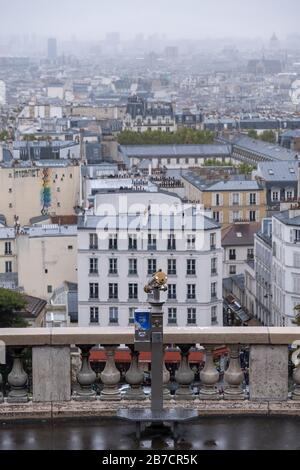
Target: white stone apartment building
(238, 246)
(118, 253)
(286, 266)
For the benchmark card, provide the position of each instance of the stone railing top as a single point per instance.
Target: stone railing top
(172, 335)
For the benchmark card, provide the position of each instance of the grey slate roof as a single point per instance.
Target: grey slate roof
(240, 234)
(163, 151)
(278, 171)
(232, 185)
(265, 149)
(286, 219)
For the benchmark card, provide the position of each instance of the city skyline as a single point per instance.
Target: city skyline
(93, 19)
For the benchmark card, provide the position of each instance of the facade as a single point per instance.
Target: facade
(149, 115)
(46, 258)
(263, 274)
(42, 150)
(286, 266)
(8, 258)
(280, 180)
(238, 246)
(118, 254)
(29, 190)
(229, 201)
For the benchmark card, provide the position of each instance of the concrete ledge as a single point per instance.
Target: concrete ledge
(172, 335)
(99, 409)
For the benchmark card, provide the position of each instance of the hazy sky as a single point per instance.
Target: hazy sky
(175, 18)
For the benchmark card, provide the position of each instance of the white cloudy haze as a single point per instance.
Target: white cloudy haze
(91, 19)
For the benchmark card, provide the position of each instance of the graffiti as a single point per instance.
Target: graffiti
(45, 192)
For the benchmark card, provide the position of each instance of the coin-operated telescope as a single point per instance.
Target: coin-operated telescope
(158, 281)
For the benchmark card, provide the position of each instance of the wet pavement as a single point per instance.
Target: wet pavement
(247, 433)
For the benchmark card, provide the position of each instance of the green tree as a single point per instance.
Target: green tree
(268, 136)
(4, 135)
(29, 137)
(245, 168)
(182, 136)
(11, 303)
(253, 134)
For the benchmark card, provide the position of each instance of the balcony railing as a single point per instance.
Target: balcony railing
(61, 376)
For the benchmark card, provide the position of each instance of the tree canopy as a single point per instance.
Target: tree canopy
(265, 136)
(11, 303)
(182, 136)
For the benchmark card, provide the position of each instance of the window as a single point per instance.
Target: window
(132, 291)
(7, 249)
(132, 268)
(49, 289)
(191, 242)
(93, 266)
(151, 242)
(172, 316)
(172, 292)
(232, 269)
(216, 216)
(112, 291)
(113, 315)
(275, 196)
(113, 242)
(236, 216)
(113, 266)
(70, 247)
(93, 241)
(232, 254)
(235, 199)
(172, 267)
(94, 314)
(218, 199)
(296, 235)
(253, 199)
(171, 242)
(213, 266)
(214, 316)
(191, 267)
(191, 291)
(131, 315)
(151, 266)
(132, 242)
(8, 266)
(252, 216)
(289, 195)
(250, 254)
(212, 241)
(213, 290)
(191, 316)
(94, 290)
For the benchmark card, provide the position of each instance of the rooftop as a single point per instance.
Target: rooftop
(265, 149)
(163, 151)
(230, 185)
(278, 171)
(239, 234)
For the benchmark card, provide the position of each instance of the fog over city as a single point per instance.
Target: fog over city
(196, 19)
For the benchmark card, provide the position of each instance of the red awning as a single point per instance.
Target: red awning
(123, 355)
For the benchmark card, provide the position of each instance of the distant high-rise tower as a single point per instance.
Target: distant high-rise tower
(274, 42)
(52, 48)
(2, 92)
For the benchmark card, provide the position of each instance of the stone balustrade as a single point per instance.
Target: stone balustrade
(271, 389)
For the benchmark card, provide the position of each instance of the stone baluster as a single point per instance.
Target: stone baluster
(166, 379)
(209, 377)
(234, 376)
(296, 376)
(110, 377)
(134, 377)
(85, 377)
(1, 388)
(18, 379)
(184, 375)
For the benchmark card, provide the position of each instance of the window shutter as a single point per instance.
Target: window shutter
(230, 217)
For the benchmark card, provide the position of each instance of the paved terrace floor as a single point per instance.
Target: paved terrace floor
(243, 433)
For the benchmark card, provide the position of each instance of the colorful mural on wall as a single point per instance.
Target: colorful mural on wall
(45, 191)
